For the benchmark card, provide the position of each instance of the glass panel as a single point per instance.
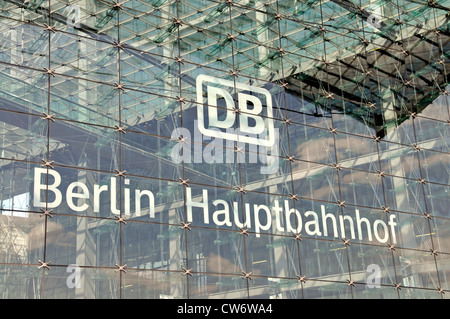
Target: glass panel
(153, 285)
(224, 149)
(21, 282)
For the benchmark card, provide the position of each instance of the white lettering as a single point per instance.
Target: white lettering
(216, 87)
(314, 222)
(73, 280)
(325, 217)
(277, 209)
(392, 224)
(350, 223)
(70, 195)
(358, 224)
(203, 205)
(258, 226)
(38, 187)
(244, 118)
(225, 212)
(77, 196)
(374, 279)
(385, 231)
(151, 202)
(97, 191)
(113, 197)
(288, 212)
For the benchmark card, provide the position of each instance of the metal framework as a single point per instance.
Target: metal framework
(83, 93)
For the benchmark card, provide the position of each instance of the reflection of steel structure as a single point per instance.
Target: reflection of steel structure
(338, 62)
(328, 56)
(398, 72)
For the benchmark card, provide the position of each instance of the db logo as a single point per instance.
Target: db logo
(250, 120)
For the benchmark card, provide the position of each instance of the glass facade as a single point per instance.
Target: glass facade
(224, 149)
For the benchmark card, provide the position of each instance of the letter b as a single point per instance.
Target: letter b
(38, 172)
(244, 126)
